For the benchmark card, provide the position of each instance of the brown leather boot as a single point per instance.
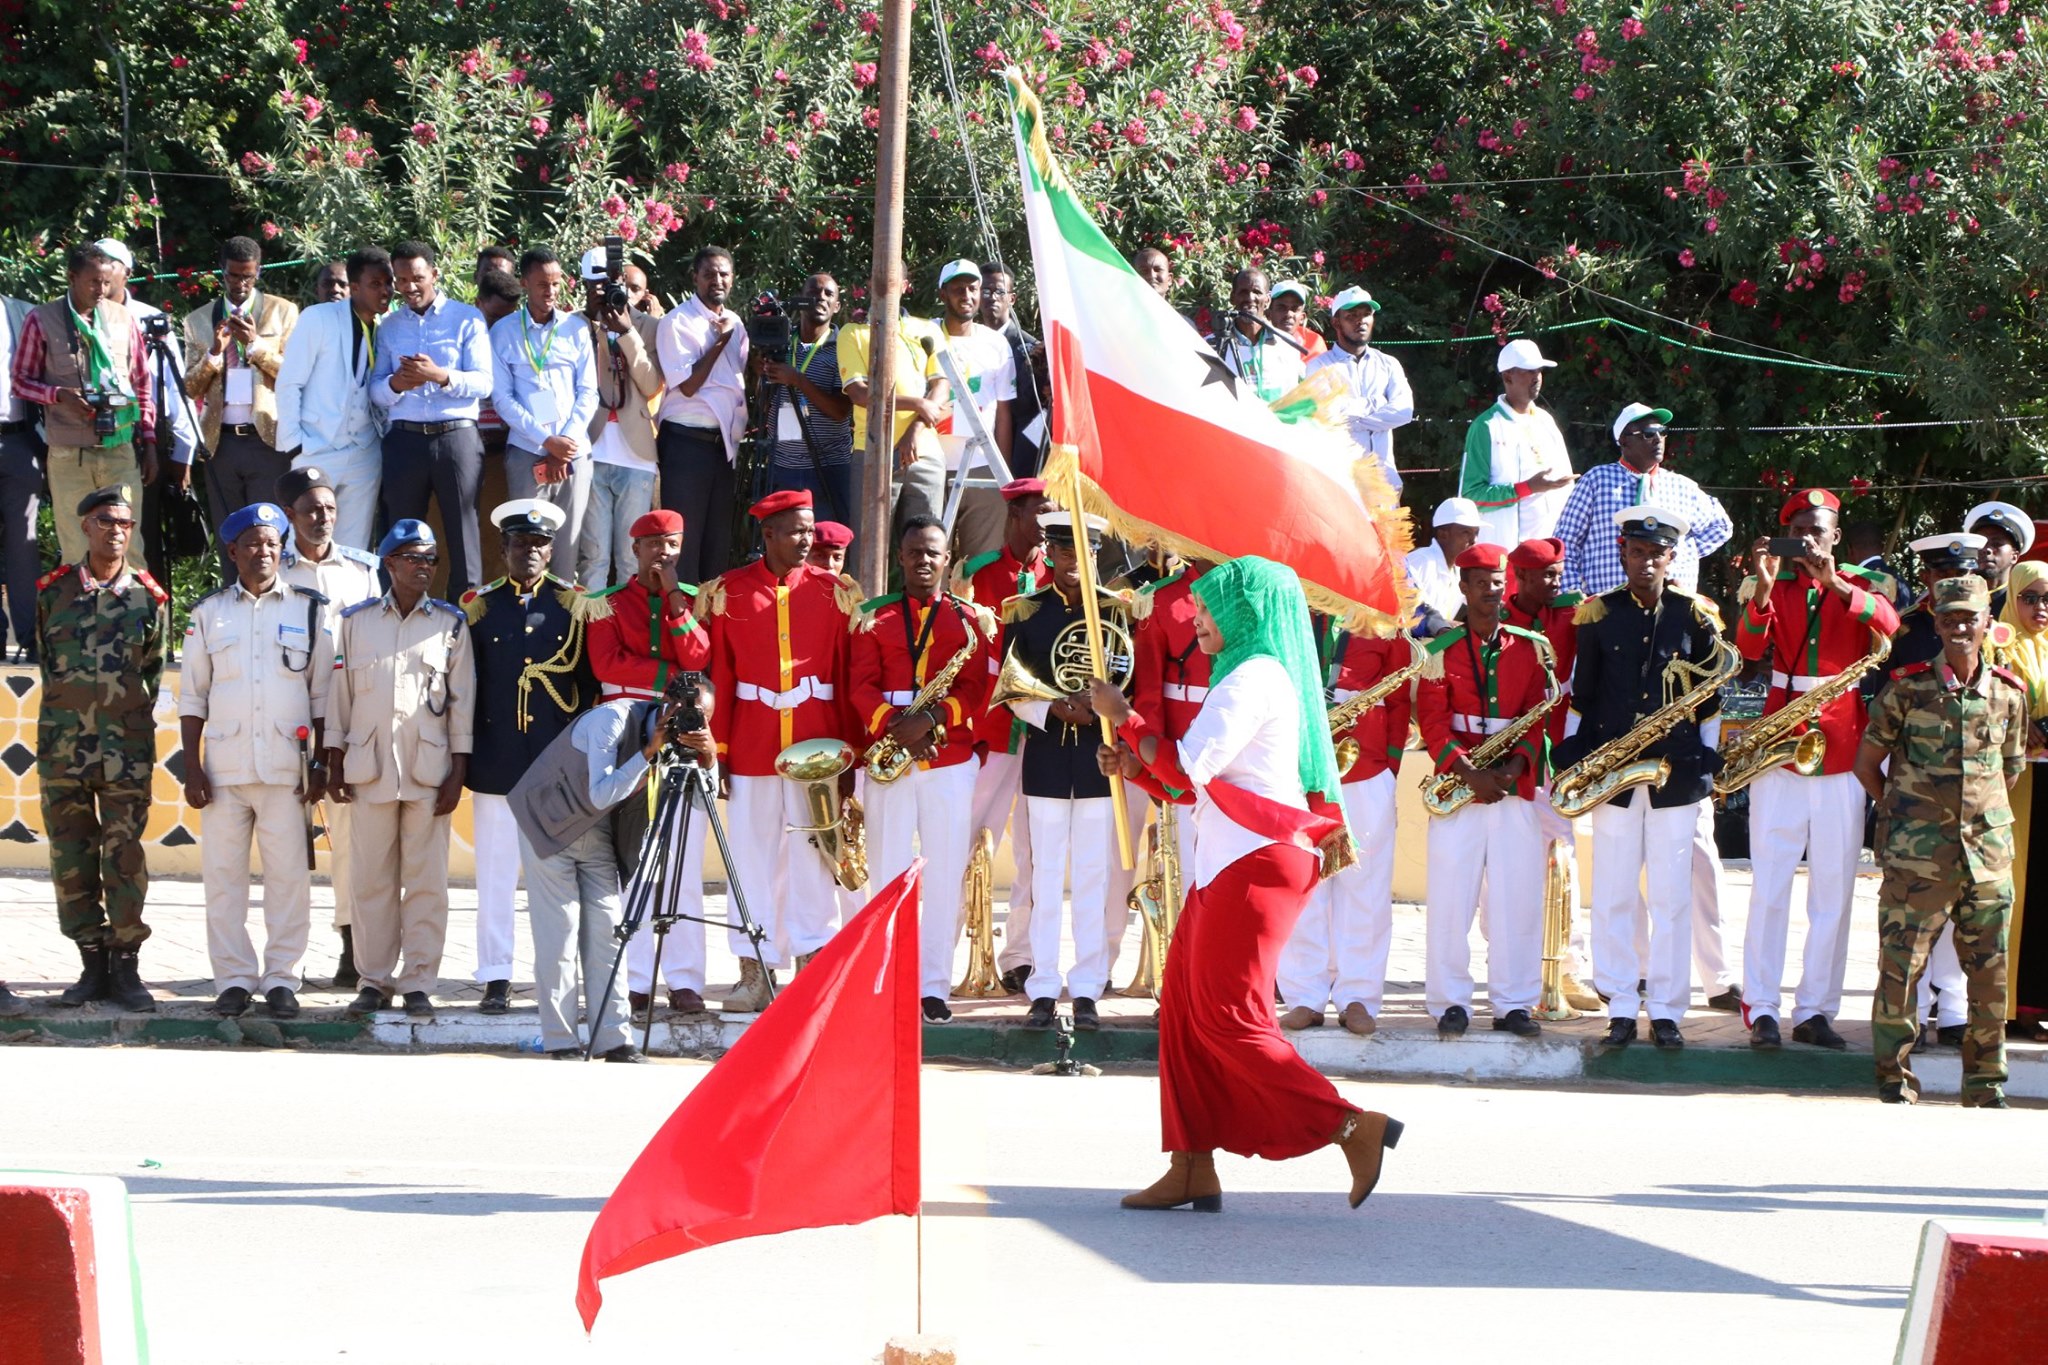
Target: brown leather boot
(1364, 1139)
(1190, 1179)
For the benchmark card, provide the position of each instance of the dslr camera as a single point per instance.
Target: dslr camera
(768, 325)
(157, 326)
(105, 404)
(615, 297)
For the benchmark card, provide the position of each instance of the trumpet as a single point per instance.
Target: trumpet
(886, 759)
(1777, 741)
(978, 906)
(1345, 714)
(838, 829)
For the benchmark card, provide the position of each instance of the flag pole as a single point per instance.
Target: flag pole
(885, 284)
(920, 1267)
(1091, 613)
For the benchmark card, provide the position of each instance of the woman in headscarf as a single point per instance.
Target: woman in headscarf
(1263, 778)
(2026, 967)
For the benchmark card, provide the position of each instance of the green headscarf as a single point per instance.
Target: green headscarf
(1259, 607)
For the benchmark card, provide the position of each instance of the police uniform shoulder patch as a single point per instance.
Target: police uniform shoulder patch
(53, 575)
(321, 597)
(2002, 671)
(1591, 610)
(1910, 669)
(360, 556)
(156, 592)
(448, 607)
(209, 596)
(360, 606)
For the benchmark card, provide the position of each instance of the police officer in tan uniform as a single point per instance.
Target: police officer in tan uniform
(257, 665)
(404, 696)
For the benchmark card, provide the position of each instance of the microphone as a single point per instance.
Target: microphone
(1246, 315)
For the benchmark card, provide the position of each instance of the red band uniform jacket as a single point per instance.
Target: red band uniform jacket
(781, 656)
(636, 649)
(1471, 691)
(903, 644)
(1352, 663)
(1170, 673)
(1809, 634)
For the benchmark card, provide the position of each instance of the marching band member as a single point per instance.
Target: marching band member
(1641, 645)
(1066, 797)
(992, 579)
(829, 544)
(1812, 618)
(1338, 951)
(908, 639)
(1483, 675)
(780, 645)
(1258, 760)
(2008, 533)
(643, 633)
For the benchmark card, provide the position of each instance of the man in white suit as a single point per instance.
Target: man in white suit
(324, 414)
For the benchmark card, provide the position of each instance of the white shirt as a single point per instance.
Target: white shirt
(990, 373)
(688, 331)
(167, 373)
(323, 384)
(1272, 366)
(543, 378)
(1436, 582)
(1380, 401)
(1248, 733)
(13, 317)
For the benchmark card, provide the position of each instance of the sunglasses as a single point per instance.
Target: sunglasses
(2034, 601)
(425, 561)
(114, 523)
(1652, 432)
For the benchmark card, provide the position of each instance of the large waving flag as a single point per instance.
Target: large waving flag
(1168, 448)
(809, 1122)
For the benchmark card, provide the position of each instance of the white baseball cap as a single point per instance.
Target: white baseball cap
(1352, 297)
(1521, 354)
(2012, 520)
(1636, 412)
(1294, 287)
(593, 264)
(953, 270)
(1457, 512)
(118, 250)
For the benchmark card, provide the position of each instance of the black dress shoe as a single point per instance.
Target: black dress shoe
(1453, 1023)
(345, 975)
(1763, 1034)
(497, 998)
(368, 1001)
(624, 1052)
(1013, 980)
(233, 1002)
(1042, 1011)
(1894, 1092)
(1664, 1033)
(1086, 1020)
(283, 1004)
(418, 1006)
(1952, 1035)
(1817, 1032)
(1620, 1033)
(1728, 1001)
(1519, 1023)
(637, 1003)
(936, 1011)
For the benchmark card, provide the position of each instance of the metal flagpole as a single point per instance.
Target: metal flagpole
(1091, 612)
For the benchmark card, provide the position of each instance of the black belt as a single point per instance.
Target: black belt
(434, 428)
(238, 429)
(15, 428)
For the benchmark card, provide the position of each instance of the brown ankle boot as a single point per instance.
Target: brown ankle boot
(1190, 1179)
(1364, 1139)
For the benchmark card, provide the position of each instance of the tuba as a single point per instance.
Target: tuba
(1345, 714)
(1557, 922)
(1776, 740)
(978, 907)
(1617, 766)
(1157, 900)
(838, 829)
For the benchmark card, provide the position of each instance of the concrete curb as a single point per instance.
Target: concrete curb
(1403, 1052)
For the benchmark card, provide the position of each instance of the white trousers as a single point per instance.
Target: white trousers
(920, 813)
(1944, 973)
(358, 477)
(997, 788)
(1338, 951)
(789, 889)
(572, 902)
(1635, 845)
(683, 949)
(1502, 845)
(1709, 954)
(1076, 835)
(270, 816)
(1821, 817)
(500, 856)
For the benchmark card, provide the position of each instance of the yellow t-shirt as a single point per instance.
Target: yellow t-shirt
(914, 368)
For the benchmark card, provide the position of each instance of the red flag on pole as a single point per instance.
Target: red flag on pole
(809, 1122)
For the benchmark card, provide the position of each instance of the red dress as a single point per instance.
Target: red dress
(1228, 1078)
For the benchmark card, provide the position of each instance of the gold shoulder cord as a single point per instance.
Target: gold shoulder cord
(544, 674)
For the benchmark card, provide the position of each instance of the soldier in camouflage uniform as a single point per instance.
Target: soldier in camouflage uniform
(100, 629)
(1954, 729)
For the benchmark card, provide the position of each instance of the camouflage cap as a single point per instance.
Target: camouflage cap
(1965, 592)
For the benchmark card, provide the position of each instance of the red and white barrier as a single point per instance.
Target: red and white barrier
(1978, 1294)
(68, 1294)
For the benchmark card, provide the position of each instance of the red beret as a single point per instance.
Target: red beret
(1023, 488)
(1805, 498)
(1483, 556)
(1537, 554)
(659, 522)
(780, 502)
(832, 535)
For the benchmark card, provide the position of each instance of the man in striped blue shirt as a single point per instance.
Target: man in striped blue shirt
(1592, 555)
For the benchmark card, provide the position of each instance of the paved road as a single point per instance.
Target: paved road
(332, 1207)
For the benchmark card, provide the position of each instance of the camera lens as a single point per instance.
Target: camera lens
(615, 298)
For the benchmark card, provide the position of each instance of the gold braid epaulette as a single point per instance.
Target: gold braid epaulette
(545, 674)
(1591, 610)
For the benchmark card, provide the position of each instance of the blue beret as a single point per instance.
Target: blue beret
(255, 514)
(410, 531)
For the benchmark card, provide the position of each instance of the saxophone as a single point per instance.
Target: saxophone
(886, 759)
(1345, 714)
(1617, 766)
(1776, 740)
(1447, 794)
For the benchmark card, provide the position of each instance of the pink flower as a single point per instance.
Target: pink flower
(649, 80)
(352, 158)
(516, 76)
(1050, 39)
(1687, 259)
(471, 64)
(1349, 160)
(1631, 29)
(1582, 92)
(425, 134)
(863, 73)
(870, 21)
(678, 171)
(794, 150)
(254, 163)
(299, 50)
(537, 125)
(178, 63)
(1135, 132)
(1318, 198)
(1245, 119)
(1416, 189)
(270, 230)
(781, 76)
(1852, 285)
(1492, 304)
(696, 49)
(311, 108)
(1439, 171)
(992, 58)
(1743, 295)
(613, 206)
(1157, 99)
(1712, 226)
(1233, 31)
(816, 118)
(1306, 75)
(871, 118)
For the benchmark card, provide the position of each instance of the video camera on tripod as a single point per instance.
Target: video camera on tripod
(688, 715)
(768, 325)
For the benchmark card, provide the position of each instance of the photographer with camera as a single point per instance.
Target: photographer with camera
(703, 351)
(580, 826)
(622, 452)
(807, 414)
(177, 423)
(83, 358)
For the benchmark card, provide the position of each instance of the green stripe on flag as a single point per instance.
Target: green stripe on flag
(1075, 225)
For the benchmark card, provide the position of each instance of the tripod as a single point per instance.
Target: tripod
(657, 880)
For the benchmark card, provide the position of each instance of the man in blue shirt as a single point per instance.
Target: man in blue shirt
(544, 387)
(1592, 557)
(433, 373)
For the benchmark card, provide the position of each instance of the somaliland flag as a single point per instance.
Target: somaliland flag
(1170, 449)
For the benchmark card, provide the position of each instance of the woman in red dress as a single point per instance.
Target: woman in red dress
(1258, 768)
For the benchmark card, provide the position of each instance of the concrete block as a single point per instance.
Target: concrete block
(1976, 1293)
(918, 1350)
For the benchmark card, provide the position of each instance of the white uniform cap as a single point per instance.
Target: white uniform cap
(1948, 543)
(118, 250)
(1063, 520)
(529, 509)
(953, 270)
(1457, 512)
(1660, 523)
(1521, 354)
(2004, 515)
